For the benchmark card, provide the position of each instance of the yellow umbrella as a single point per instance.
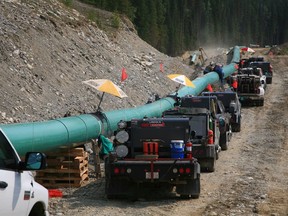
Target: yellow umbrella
(105, 85)
(182, 79)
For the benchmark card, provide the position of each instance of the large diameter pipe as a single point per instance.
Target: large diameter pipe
(50, 135)
(75, 130)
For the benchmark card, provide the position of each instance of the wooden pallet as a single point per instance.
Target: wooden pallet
(66, 168)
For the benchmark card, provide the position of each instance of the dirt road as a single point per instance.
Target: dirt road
(251, 177)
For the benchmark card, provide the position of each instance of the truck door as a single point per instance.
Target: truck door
(14, 186)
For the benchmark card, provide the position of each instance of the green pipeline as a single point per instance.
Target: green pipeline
(73, 131)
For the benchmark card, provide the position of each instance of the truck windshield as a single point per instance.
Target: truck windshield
(8, 159)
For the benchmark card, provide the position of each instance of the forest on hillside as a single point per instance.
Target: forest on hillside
(173, 26)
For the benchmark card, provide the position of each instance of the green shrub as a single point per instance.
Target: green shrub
(116, 21)
(67, 2)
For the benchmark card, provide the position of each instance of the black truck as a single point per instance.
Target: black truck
(152, 153)
(204, 134)
(232, 105)
(217, 109)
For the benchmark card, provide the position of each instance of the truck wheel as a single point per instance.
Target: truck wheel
(211, 165)
(37, 210)
(261, 103)
(223, 141)
(268, 80)
(237, 128)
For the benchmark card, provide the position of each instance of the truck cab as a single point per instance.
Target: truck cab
(204, 134)
(152, 152)
(217, 110)
(232, 105)
(20, 194)
(266, 68)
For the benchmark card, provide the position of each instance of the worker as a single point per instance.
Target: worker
(218, 69)
(105, 145)
(209, 68)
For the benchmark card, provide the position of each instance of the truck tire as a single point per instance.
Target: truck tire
(224, 141)
(211, 165)
(237, 126)
(261, 103)
(269, 80)
(37, 210)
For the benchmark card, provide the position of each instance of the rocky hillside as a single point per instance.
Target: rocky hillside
(48, 49)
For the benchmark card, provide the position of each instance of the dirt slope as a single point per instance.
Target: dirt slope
(48, 49)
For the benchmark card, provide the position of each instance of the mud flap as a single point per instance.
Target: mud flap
(119, 188)
(191, 189)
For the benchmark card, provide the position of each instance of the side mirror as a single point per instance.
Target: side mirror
(193, 134)
(33, 161)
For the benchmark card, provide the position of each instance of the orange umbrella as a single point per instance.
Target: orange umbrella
(105, 85)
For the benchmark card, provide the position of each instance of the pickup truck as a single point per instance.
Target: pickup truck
(204, 134)
(266, 68)
(20, 194)
(232, 105)
(245, 62)
(250, 90)
(257, 72)
(217, 110)
(152, 154)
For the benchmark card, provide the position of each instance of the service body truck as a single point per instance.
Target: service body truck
(217, 110)
(232, 105)
(204, 134)
(152, 153)
(20, 195)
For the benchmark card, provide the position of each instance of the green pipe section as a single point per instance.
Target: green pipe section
(50, 135)
(75, 130)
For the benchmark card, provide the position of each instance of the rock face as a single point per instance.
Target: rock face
(48, 49)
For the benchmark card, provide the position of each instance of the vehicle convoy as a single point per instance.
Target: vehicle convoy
(204, 134)
(217, 109)
(232, 105)
(20, 194)
(150, 154)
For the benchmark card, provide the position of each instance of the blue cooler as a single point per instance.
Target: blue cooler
(177, 149)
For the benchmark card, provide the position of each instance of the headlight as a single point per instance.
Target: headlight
(121, 151)
(122, 136)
